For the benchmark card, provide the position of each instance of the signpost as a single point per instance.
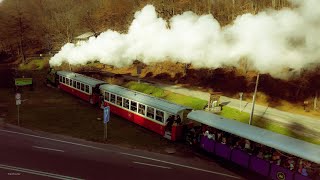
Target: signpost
(106, 118)
(241, 93)
(139, 69)
(18, 102)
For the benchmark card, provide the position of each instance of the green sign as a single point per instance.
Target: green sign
(23, 81)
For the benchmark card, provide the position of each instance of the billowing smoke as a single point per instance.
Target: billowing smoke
(271, 40)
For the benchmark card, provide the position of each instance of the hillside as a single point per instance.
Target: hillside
(32, 27)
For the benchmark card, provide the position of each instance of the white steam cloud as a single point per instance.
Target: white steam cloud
(271, 40)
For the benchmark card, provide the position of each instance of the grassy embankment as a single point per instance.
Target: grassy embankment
(35, 64)
(227, 112)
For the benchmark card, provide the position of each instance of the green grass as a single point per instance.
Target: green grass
(284, 130)
(146, 88)
(235, 114)
(192, 102)
(35, 64)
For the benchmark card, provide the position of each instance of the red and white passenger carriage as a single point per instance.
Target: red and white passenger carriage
(145, 110)
(85, 87)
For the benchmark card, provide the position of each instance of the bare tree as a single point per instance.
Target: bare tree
(15, 25)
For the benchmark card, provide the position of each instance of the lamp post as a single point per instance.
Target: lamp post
(254, 99)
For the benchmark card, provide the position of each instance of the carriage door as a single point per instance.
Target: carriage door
(168, 121)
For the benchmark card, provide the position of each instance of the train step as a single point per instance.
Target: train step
(167, 135)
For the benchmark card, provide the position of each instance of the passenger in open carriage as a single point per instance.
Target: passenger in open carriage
(177, 120)
(198, 133)
(219, 136)
(190, 135)
(225, 138)
(169, 123)
(267, 154)
(235, 142)
(307, 168)
(290, 163)
(276, 157)
(247, 146)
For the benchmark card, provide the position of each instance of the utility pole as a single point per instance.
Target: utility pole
(254, 99)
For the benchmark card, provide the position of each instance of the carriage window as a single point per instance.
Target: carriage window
(159, 115)
(133, 106)
(63, 79)
(78, 85)
(126, 103)
(74, 84)
(70, 82)
(60, 78)
(142, 109)
(113, 98)
(119, 100)
(82, 87)
(67, 81)
(87, 88)
(150, 112)
(106, 96)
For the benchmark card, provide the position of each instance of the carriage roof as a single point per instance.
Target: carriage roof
(81, 78)
(280, 142)
(144, 98)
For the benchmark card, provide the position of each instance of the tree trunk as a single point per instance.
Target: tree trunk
(21, 40)
(233, 9)
(274, 4)
(315, 101)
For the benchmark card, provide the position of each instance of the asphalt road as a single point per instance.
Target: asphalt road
(35, 155)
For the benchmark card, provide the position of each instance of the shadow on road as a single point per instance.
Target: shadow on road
(225, 103)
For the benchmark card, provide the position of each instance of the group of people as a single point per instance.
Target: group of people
(172, 120)
(290, 162)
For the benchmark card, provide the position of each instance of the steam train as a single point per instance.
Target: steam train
(180, 123)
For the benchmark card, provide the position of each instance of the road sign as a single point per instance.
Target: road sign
(23, 81)
(106, 114)
(18, 96)
(18, 101)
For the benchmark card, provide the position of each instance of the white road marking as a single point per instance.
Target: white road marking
(146, 164)
(40, 173)
(57, 140)
(181, 165)
(50, 149)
